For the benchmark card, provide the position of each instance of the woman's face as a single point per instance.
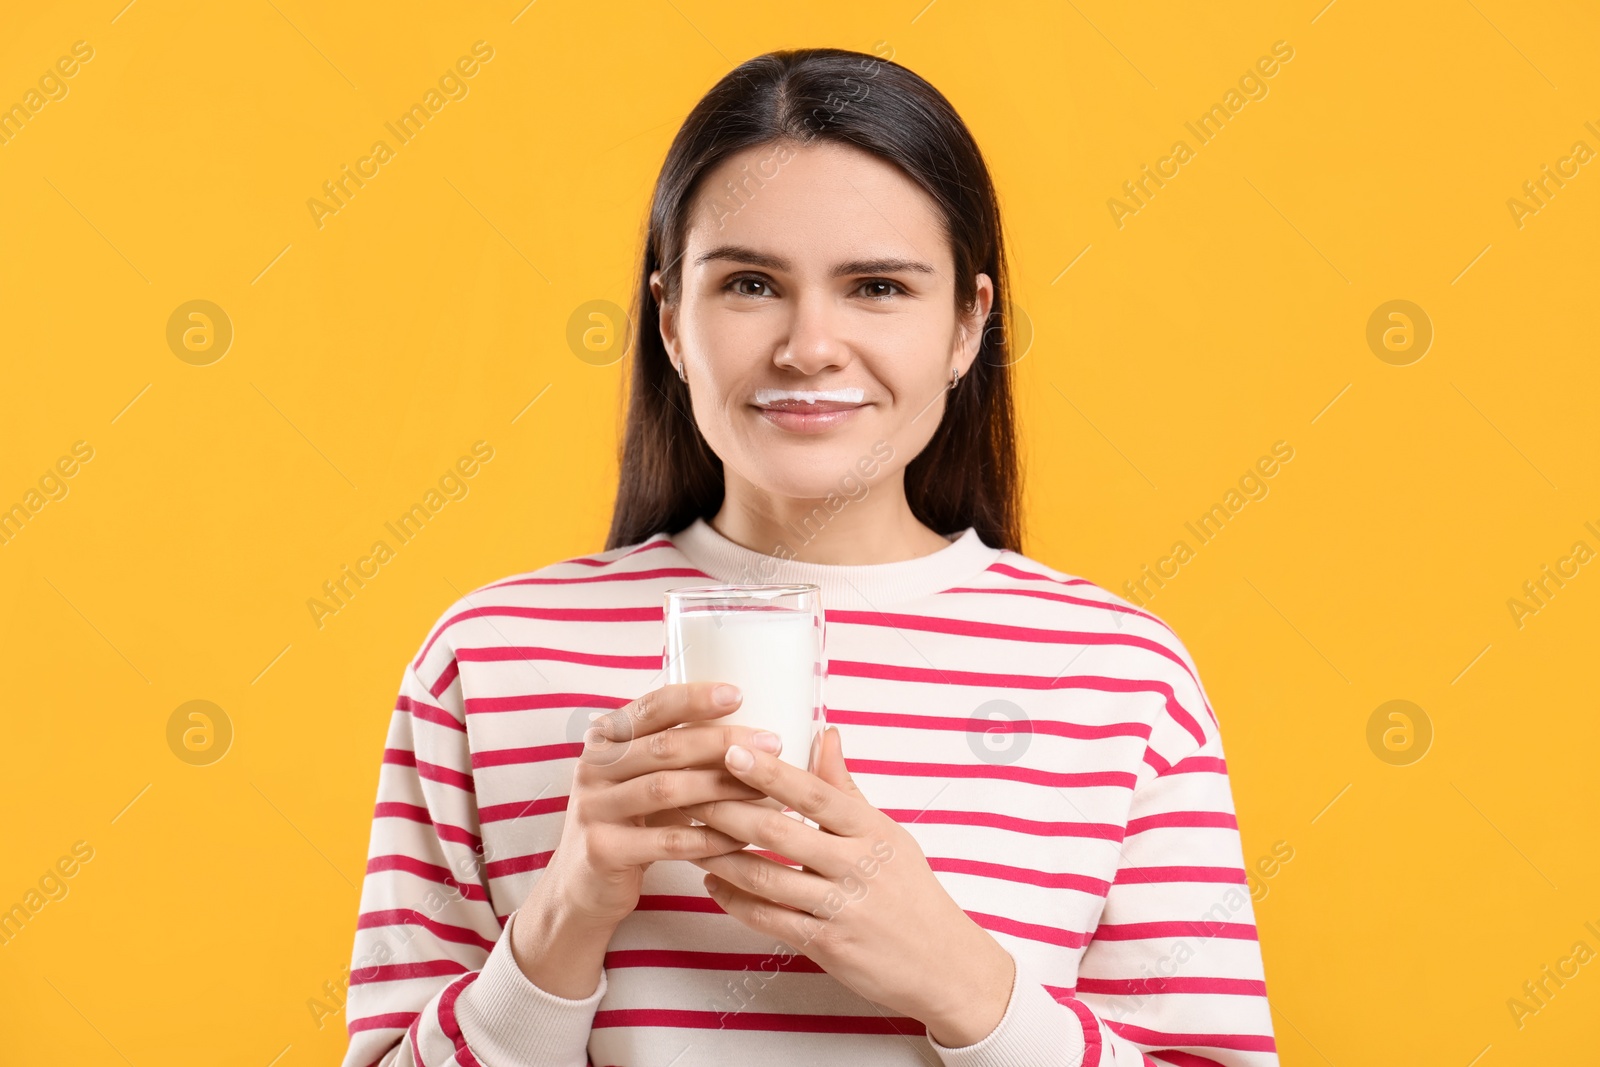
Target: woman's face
(828, 276)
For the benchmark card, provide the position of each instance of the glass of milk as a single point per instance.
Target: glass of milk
(765, 639)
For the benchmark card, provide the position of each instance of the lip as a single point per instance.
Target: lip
(798, 416)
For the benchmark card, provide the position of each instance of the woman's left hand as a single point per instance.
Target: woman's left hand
(865, 906)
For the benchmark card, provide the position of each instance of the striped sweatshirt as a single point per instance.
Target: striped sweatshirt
(1048, 745)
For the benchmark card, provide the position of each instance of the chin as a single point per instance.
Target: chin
(815, 487)
(809, 466)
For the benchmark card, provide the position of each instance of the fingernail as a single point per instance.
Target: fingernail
(740, 759)
(767, 741)
(725, 696)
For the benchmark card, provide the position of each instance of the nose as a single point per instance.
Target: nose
(815, 342)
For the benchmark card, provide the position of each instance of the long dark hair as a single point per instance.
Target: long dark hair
(968, 474)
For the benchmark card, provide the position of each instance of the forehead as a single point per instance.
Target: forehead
(815, 205)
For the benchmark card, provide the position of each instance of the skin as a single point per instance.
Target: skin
(785, 318)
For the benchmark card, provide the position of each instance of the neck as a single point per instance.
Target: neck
(875, 526)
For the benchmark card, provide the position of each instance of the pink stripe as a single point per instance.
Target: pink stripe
(1194, 764)
(512, 611)
(1053, 880)
(933, 676)
(445, 776)
(673, 902)
(404, 972)
(518, 809)
(411, 1035)
(520, 653)
(394, 1020)
(1001, 567)
(541, 701)
(1100, 605)
(1139, 987)
(534, 861)
(710, 961)
(446, 676)
(1089, 1023)
(435, 773)
(1031, 775)
(1006, 632)
(432, 872)
(1144, 1036)
(394, 809)
(1188, 765)
(428, 713)
(1174, 928)
(1098, 831)
(507, 757)
(1068, 880)
(1051, 727)
(369, 920)
(1156, 875)
(1217, 819)
(766, 1021)
(449, 1024)
(1051, 935)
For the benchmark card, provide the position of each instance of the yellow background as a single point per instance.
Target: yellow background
(369, 354)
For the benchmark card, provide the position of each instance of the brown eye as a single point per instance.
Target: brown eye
(745, 279)
(881, 282)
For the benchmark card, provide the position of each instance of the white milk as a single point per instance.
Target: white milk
(774, 657)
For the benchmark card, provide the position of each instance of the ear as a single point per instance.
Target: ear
(830, 763)
(969, 338)
(666, 316)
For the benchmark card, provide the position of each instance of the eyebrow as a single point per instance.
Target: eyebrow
(741, 254)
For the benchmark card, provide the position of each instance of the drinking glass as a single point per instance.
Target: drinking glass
(765, 639)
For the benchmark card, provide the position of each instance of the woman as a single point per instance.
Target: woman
(1029, 854)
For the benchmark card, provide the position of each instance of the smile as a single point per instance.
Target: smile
(808, 410)
(799, 416)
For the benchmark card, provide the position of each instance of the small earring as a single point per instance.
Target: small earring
(681, 377)
(955, 376)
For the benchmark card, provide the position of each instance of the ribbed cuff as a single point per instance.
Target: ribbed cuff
(1035, 1031)
(507, 1021)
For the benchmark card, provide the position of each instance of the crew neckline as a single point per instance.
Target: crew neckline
(856, 586)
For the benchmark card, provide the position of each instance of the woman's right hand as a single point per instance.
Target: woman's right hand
(633, 778)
